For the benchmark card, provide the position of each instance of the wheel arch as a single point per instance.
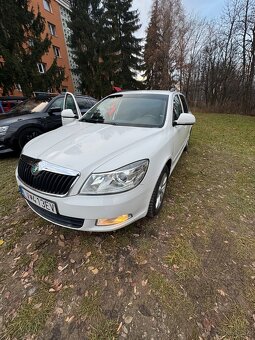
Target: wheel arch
(15, 139)
(169, 164)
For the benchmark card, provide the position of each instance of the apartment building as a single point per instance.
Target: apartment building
(57, 14)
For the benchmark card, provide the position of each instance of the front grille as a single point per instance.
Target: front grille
(66, 221)
(45, 181)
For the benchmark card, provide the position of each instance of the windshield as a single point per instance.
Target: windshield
(141, 110)
(27, 105)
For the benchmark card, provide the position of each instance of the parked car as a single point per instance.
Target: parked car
(9, 102)
(109, 167)
(34, 117)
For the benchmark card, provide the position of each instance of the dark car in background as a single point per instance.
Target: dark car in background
(34, 117)
(9, 102)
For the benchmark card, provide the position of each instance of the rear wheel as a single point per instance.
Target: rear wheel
(27, 134)
(158, 193)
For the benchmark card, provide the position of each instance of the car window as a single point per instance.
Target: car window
(147, 110)
(177, 108)
(59, 102)
(84, 103)
(184, 104)
(70, 104)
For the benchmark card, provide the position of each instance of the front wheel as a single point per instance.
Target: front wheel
(158, 193)
(27, 134)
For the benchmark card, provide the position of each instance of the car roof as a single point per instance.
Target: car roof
(163, 92)
(76, 95)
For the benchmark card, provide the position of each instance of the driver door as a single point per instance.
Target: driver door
(70, 103)
(179, 131)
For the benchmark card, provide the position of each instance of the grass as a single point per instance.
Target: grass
(183, 257)
(46, 265)
(100, 327)
(8, 190)
(235, 326)
(31, 316)
(198, 255)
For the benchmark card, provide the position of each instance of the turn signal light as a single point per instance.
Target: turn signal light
(112, 221)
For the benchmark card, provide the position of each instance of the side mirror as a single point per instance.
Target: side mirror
(185, 119)
(68, 116)
(54, 109)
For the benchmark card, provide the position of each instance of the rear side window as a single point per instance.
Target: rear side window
(177, 110)
(184, 104)
(84, 104)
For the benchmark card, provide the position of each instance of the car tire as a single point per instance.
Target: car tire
(186, 148)
(158, 193)
(26, 135)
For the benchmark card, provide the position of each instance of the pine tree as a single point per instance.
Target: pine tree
(22, 47)
(164, 51)
(125, 49)
(88, 43)
(152, 50)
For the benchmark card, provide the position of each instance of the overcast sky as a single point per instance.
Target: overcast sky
(204, 8)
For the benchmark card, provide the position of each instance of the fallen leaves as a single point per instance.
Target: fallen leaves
(93, 270)
(58, 311)
(221, 292)
(69, 319)
(61, 269)
(128, 319)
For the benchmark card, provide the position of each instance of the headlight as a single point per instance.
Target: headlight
(117, 181)
(3, 130)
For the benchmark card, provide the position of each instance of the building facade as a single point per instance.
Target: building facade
(50, 11)
(65, 18)
(56, 14)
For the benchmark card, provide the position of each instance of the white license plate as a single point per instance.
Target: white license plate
(40, 202)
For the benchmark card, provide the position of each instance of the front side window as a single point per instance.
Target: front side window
(177, 108)
(184, 104)
(70, 104)
(47, 6)
(59, 102)
(144, 110)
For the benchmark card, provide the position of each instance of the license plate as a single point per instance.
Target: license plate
(40, 202)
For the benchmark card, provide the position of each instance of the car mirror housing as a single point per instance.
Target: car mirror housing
(68, 113)
(185, 119)
(54, 109)
(68, 116)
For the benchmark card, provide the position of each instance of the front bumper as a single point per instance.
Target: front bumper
(3, 147)
(81, 212)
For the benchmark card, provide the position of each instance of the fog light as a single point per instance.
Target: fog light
(112, 221)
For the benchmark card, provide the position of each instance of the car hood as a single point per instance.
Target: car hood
(81, 145)
(9, 118)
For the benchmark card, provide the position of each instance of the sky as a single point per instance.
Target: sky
(204, 8)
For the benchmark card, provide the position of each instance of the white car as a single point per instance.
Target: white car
(108, 168)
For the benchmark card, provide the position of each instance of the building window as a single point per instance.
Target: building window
(52, 29)
(47, 6)
(18, 87)
(56, 51)
(31, 42)
(41, 67)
